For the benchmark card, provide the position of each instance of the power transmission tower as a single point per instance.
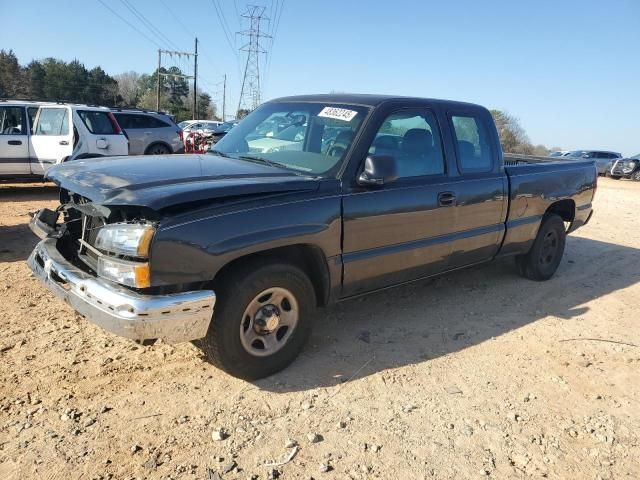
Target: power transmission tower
(250, 91)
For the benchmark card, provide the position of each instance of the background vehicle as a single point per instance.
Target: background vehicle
(559, 153)
(223, 129)
(149, 132)
(626, 168)
(603, 159)
(411, 188)
(36, 135)
(203, 126)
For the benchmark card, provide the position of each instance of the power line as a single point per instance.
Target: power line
(129, 23)
(152, 28)
(222, 21)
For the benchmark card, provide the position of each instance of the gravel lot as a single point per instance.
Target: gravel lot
(475, 374)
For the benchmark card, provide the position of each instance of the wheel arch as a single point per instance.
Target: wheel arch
(565, 209)
(309, 258)
(158, 142)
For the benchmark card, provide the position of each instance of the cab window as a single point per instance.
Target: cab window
(472, 143)
(414, 139)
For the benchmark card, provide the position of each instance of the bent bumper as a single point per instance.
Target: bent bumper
(174, 318)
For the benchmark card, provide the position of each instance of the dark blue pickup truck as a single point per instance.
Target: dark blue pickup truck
(308, 201)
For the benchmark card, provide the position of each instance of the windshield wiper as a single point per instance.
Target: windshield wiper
(272, 164)
(218, 152)
(259, 159)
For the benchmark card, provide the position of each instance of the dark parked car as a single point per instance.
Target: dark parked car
(149, 249)
(626, 168)
(222, 130)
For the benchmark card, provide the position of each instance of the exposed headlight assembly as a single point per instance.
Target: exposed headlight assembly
(132, 274)
(130, 239)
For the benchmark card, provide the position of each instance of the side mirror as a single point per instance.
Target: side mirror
(378, 170)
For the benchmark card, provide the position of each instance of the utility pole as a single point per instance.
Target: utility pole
(158, 81)
(195, 82)
(250, 91)
(160, 75)
(224, 97)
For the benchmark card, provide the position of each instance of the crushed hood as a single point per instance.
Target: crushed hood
(162, 181)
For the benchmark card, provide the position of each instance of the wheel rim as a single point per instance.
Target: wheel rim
(549, 248)
(269, 321)
(158, 150)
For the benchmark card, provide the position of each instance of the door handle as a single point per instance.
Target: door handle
(15, 142)
(64, 142)
(446, 199)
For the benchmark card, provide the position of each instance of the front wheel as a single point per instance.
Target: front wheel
(261, 321)
(636, 176)
(542, 261)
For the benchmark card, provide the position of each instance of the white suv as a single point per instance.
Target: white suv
(35, 136)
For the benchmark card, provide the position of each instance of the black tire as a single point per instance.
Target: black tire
(542, 261)
(636, 176)
(238, 290)
(157, 149)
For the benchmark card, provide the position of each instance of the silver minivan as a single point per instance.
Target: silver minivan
(149, 132)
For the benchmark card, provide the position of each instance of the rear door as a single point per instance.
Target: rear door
(400, 231)
(479, 187)
(14, 141)
(129, 123)
(52, 138)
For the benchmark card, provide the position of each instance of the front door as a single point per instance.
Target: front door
(400, 231)
(14, 141)
(52, 138)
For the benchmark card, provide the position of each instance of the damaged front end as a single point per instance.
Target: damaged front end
(96, 258)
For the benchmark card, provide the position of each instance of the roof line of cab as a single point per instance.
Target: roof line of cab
(366, 100)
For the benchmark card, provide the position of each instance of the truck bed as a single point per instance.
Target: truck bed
(537, 182)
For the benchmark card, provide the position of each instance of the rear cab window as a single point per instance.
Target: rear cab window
(98, 122)
(472, 143)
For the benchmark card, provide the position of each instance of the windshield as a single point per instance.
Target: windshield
(310, 138)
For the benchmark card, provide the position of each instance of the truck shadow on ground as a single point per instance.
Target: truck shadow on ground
(413, 324)
(16, 242)
(28, 192)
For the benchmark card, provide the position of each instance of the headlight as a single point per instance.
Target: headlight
(631, 164)
(133, 274)
(131, 239)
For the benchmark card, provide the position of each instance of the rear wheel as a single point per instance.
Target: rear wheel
(542, 261)
(158, 149)
(261, 321)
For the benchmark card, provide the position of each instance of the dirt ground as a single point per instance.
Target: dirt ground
(476, 374)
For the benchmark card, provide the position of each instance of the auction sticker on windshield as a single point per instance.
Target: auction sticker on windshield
(338, 113)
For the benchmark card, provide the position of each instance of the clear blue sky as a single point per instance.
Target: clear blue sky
(568, 69)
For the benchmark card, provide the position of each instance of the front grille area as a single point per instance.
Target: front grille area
(89, 233)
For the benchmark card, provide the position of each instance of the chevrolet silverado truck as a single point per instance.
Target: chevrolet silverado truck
(235, 249)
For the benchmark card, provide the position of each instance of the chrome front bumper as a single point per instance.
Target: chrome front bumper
(174, 318)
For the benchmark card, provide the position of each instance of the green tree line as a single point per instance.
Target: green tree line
(55, 80)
